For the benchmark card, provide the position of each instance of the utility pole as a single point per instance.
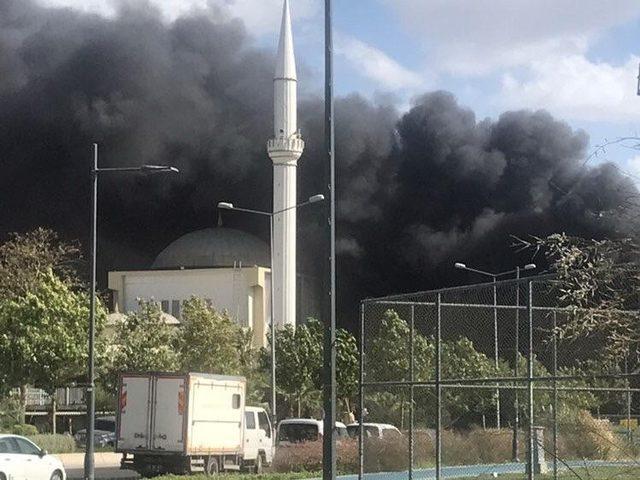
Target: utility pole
(329, 393)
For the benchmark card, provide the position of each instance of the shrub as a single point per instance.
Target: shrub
(583, 436)
(23, 429)
(55, 443)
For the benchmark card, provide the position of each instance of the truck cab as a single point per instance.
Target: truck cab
(258, 438)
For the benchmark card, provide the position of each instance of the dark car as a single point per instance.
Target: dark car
(104, 434)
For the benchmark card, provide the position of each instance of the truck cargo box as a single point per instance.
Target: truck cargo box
(188, 414)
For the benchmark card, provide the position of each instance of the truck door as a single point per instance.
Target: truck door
(168, 414)
(134, 413)
(265, 432)
(251, 437)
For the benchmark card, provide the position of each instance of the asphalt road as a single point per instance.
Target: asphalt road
(103, 473)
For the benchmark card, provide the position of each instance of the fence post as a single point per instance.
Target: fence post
(530, 455)
(438, 387)
(411, 395)
(628, 385)
(555, 396)
(361, 398)
(516, 399)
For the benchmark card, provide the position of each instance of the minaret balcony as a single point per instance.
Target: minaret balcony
(282, 147)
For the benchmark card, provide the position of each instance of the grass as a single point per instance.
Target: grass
(606, 473)
(232, 476)
(618, 473)
(55, 444)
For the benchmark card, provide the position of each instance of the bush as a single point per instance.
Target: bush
(55, 443)
(23, 429)
(583, 436)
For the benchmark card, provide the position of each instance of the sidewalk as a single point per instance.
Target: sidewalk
(101, 459)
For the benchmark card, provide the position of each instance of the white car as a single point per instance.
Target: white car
(301, 430)
(374, 430)
(21, 459)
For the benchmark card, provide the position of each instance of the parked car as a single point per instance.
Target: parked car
(300, 430)
(21, 459)
(104, 433)
(374, 430)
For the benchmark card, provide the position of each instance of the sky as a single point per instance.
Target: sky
(578, 59)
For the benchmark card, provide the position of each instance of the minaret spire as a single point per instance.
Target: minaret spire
(286, 64)
(284, 150)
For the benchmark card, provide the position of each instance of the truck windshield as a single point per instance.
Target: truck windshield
(298, 433)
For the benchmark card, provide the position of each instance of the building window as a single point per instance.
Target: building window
(165, 306)
(175, 308)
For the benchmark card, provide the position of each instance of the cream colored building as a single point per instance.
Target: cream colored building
(228, 268)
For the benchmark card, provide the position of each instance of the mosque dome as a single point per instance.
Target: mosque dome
(213, 247)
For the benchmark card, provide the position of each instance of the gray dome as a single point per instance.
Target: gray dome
(213, 247)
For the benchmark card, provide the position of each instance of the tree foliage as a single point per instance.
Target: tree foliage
(598, 284)
(209, 340)
(43, 333)
(141, 341)
(25, 257)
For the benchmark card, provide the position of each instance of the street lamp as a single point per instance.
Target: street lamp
(495, 276)
(89, 465)
(230, 206)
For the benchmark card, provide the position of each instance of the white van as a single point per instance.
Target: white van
(300, 430)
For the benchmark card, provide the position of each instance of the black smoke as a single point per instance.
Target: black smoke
(416, 191)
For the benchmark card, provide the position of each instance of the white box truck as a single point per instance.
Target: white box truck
(186, 423)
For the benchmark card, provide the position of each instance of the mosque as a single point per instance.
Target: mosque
(230, 268)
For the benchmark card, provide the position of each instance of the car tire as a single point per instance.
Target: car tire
(211, 466)
(57, 475)
(258, 469)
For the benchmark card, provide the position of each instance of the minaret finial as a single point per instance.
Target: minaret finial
(286, 63)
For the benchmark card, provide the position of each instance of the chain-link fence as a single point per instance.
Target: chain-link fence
(486, 380)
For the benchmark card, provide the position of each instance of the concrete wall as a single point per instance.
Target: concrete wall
(239, 291)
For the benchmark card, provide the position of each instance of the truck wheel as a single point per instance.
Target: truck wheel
(258, 469)
(211, 467)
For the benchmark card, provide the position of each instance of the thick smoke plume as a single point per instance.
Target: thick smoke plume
(416, 191)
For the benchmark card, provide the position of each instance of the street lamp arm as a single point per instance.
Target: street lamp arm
(142, 168)
(481, 272)
(248, 210)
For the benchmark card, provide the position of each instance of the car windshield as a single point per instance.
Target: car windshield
(369, 431)
(106, 425)
(297, 432)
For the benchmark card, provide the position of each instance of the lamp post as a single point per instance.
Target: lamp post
(89, 465)
(230, 206)
(495, 276)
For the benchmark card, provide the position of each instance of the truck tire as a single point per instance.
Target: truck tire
(211, 466)
(258, 468)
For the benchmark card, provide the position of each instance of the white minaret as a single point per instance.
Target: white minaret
(284, 150)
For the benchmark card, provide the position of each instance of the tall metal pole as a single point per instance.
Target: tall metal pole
(412, 389)
(495, 348)
(439, 387)
(530, 453)
(516, 402)
(89, 467)
(274, 415)
(555, 396)
(361, 398)
(329, 438)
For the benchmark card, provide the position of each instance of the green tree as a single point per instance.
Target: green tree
(298, 361)
(24, 257)
(43, 333)
(141, 342)
(210, 340)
